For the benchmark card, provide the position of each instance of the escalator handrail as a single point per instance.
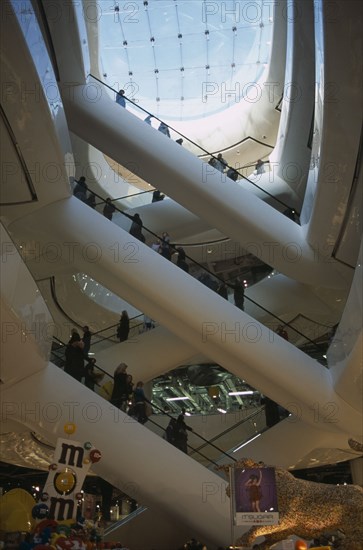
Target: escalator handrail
(191, 141)
(75, 323)
(189, 446)
(119, 523)
(236, 425)
(174, 247)
(152, 404)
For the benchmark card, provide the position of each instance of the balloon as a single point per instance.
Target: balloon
(65, 481)
(95, 455)
(44, 524)
(301, 545)
(86, 461)
(88, 445)
(15, 511)
(40, 511)
(69, 428)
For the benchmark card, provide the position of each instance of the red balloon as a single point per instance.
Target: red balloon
(45, 523)
(95, 455)
(301, 545)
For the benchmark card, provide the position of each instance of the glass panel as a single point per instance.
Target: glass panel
(193, 35)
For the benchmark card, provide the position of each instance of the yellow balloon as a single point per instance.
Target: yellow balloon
(69, 428)
(65, 481)
(16, 511)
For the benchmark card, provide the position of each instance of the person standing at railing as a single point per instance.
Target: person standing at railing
(170, 431)
(92, 377)
(220, 163)
(181, 261)
(108, 209)
(136, 228)
(232, 174)
(74, 357)
(120, 387)
(86, 339)
(139, 407)
(165, 246)
(222, 290)
(81, 188)
(120, 98)
(238, 294)
(181, 433)
(163, 128)
(123, 328)
(157, 196)
(91, 200)
(260, 167)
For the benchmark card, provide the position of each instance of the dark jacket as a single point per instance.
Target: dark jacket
(123, 329)
(120, 389)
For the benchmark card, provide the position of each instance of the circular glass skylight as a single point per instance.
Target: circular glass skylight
(184, 59)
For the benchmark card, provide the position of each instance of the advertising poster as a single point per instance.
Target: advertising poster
(254, 496)
(62, 490)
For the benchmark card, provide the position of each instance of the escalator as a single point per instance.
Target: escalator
(192, 312)
(158, 287)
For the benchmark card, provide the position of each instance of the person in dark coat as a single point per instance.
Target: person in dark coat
(157, 196)
(108, 209)
(239, 294)
(120, 387)
(208, 281)
(74, 357)
(221, 163)
(92, 377)
(123, 328)
(181, 261)
(81, 188)
(86, 339)
(181, 433)
(165, 246)
(232, 174)
(222, 290)
(170, 431)
(91, 201)
(163, 128)
(136, 228)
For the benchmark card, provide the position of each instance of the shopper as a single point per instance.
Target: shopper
(123, 328)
